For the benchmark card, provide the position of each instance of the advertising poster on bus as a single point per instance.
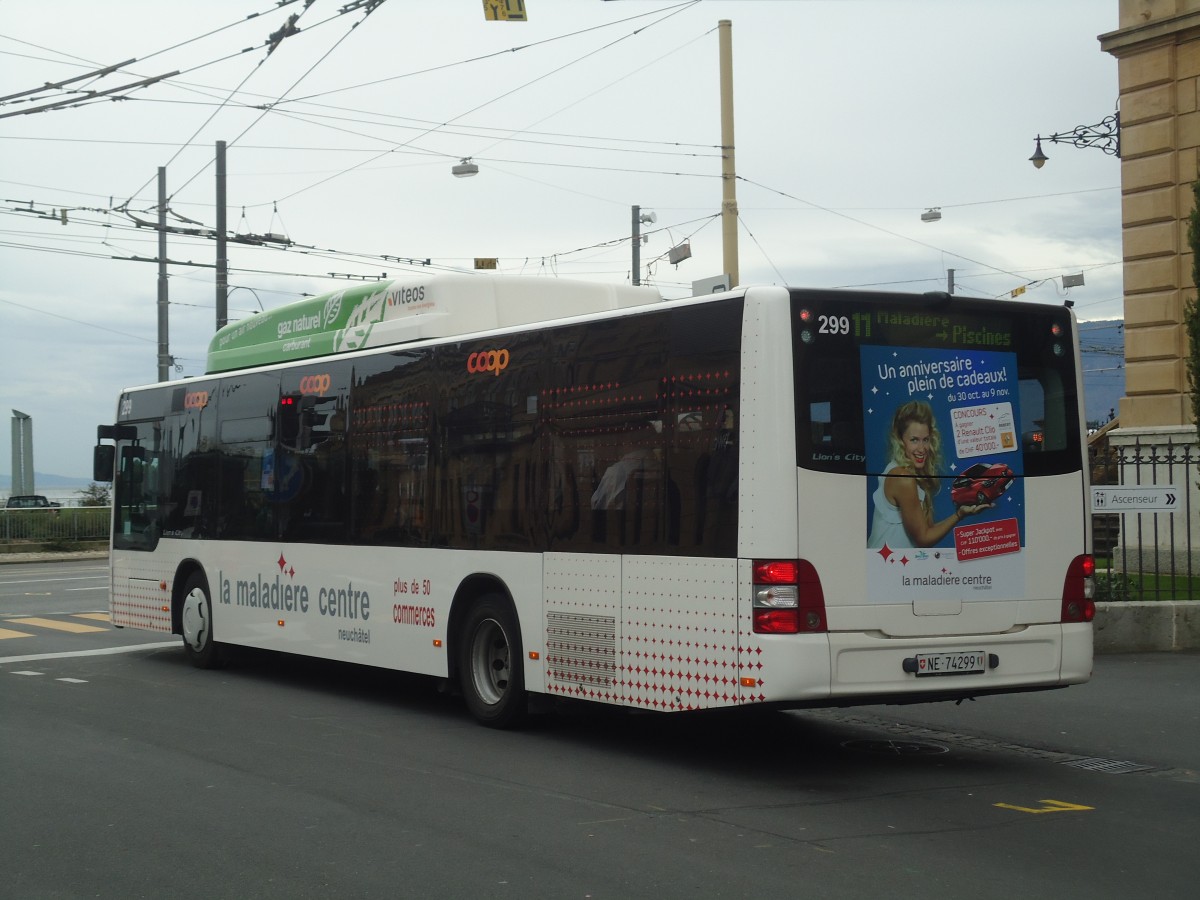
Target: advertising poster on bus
(945, 496)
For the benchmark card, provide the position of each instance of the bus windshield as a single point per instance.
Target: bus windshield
(971, 362)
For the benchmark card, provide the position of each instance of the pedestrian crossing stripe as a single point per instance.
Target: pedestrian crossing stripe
(56, 625)
(53, 624)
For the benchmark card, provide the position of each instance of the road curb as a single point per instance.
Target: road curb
(1146, 626)
(44, 556)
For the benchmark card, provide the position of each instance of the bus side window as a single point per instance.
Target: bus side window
(388, 453)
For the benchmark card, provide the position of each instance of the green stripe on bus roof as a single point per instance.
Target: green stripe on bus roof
(314, 326)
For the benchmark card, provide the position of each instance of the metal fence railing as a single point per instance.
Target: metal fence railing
(1147, 555)
(58, 524)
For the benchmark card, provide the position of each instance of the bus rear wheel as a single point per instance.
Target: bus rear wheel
(195, 619)
(490, 663)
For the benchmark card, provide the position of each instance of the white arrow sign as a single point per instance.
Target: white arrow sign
(1136, 498)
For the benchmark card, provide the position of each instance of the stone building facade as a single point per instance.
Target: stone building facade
(1157, 48)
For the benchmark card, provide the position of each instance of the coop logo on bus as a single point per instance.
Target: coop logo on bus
(314, 384)
(195, 400)
(494, 361)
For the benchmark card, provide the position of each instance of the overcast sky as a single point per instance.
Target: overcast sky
(852, 118)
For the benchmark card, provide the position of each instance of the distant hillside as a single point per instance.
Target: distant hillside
(1102, 347)
(44, 482)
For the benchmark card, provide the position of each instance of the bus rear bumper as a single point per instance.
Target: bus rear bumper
(1050, 655)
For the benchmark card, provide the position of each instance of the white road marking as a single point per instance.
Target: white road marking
(104, 651)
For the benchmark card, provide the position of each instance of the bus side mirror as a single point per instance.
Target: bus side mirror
(104, 456)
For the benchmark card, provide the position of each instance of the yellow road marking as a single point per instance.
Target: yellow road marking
(5, 634)
(1048, 806)
(99, 617)
(56, 624)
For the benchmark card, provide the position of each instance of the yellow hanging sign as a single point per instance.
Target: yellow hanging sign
(504, 10)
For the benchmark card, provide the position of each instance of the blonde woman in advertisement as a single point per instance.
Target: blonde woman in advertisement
(903, 500)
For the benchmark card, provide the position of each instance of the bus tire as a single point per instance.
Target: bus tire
(490, 663)
(196, 624)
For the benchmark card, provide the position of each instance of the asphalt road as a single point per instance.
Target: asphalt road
(126, 773)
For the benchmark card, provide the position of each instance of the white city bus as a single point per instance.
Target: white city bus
(770, 496)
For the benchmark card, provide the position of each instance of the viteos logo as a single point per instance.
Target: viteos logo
(314, 384)
(494, 361)
(195, 400)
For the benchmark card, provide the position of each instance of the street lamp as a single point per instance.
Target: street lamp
(464, 169)
(1105, 135)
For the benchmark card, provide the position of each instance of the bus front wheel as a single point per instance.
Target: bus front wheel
(195, 619)
(490, 663)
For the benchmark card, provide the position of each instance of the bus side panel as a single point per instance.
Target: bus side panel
(654, 632)
(581, 629)
(766, 436)
(352, 604)
(680, 649)
(141, 588)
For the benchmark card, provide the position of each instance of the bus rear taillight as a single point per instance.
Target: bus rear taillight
(1079, 590)
(787, 597)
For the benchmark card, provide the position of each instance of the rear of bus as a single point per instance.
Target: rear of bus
(959, 569)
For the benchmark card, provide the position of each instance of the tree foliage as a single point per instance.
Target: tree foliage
(93, 495)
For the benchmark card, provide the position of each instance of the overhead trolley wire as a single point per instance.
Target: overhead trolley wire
(671, 12)
(287, 30)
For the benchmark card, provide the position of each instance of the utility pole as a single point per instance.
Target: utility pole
(164, 358)
(222, 252)
(637, 245)
(649, 218)
(729, 210)
(949, 281)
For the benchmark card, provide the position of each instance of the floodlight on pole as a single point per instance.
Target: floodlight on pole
(465, 168)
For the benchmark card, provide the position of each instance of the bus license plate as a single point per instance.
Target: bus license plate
(970, 662)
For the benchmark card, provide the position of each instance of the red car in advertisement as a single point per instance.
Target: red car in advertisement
(981, 484)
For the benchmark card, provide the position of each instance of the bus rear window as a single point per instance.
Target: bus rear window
(997, 378)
